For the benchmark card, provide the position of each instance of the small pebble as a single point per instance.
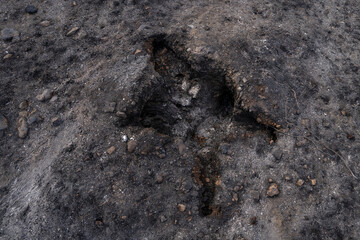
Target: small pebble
(278, 154)
(181, 207)
(7, 56)
(131, 145)
(287, 178)
(33, 119)
(56, 121)
(3, 123)
(53, 99)
(110, 107)
(187, 186)
(255, 195)
(235, 197)
(45, 95)
(162, 218)
(181, 146)
(23, 105)
(313, 182)
(99, 222)
(299, 182)
(185, 85)
(72, 31)
(22, 127)
(121, 115)
(45, 23)
(31, 9)
(23, 114)
(124, 138)
(111, 150)
(9, 34)
(273, 190)
(194, 90)
(159, 179)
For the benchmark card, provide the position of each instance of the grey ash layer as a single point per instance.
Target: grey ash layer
(179, 119)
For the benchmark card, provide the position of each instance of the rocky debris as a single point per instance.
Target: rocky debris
(110, 107)
(186, 186)
(110, 150)
(278, 154)
(45, 23)
(238, 188)
(56, 121)
(121, 115)
(72, 31)
(31, 9)
(45, 95)
(255, 195)
(185, 85)
(181, 207)
(24, 104)
(235, 197)
(300, 182)
(124, 138)
(23, 114)
(162, 218)
(99, 222)
(159, 179)
(9, 34)
(273, 190)
(181, 146)
(288, 178)
(194, 90)
(33, 118)
(53, 99)
(22, 127)
(161, 155)
(313, 182)
(7, 56)
(182, 100)
(3, 123)
(131, 145)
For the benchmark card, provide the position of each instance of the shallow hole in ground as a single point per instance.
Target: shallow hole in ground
(184, 105)
(186, 97)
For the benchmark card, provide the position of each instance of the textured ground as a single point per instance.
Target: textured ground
(179, 119)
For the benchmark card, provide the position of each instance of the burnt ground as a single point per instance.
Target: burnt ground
(158, 119)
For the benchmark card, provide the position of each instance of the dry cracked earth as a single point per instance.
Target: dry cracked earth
(140, 119)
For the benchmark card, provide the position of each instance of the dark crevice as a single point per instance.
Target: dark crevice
(248, 119)
(209, 169)
(184, 101)
(173, 102)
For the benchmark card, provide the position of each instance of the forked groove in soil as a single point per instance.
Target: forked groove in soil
(184, 102)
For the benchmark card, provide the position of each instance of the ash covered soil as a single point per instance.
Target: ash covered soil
(137, 119)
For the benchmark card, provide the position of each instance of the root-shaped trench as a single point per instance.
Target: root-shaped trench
(186, 97)
(182, 103)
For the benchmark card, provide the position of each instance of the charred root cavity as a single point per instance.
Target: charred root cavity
(186, 97)
(185, 100)
(209, 170)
